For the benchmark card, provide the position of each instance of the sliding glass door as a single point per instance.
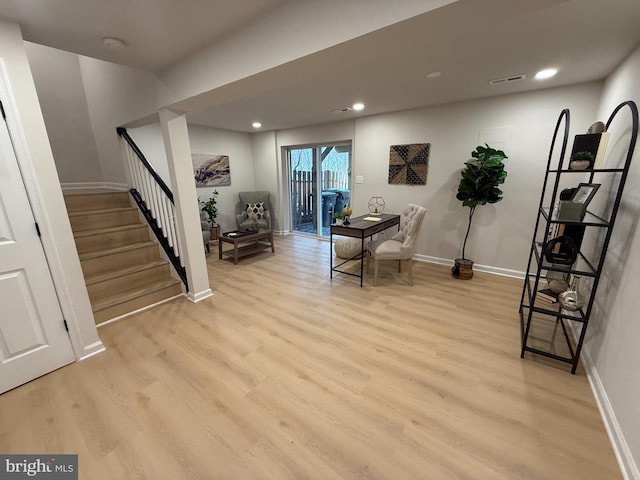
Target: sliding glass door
(320, 184)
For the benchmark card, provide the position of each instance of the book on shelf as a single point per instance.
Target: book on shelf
(595, 143)
(547, 295)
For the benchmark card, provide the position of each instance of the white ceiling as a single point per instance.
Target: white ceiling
(469, 41)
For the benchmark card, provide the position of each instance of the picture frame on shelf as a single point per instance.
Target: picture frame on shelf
(584, 193)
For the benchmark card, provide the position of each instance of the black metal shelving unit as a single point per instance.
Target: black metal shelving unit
(539, 322)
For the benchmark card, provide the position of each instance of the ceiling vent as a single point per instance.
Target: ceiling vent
(512, 78)
(342, 110)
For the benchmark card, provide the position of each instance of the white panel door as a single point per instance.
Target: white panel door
(33, 338)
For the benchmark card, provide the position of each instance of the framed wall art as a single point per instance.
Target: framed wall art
(409, 164)
(211, 170)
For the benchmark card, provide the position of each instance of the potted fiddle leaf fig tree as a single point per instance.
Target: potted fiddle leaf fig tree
(478, 186)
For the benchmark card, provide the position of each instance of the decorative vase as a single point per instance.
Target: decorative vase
(557, 281)
(339, 221)
(571, 299)
(579, 164)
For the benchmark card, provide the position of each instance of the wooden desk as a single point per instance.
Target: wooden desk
(360, 228)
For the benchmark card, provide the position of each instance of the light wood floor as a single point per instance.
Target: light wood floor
(285, 374)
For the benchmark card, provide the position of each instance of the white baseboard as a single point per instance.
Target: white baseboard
(477, 267)
(93, 349)
(199, 296)
(621, 449)
(139, 310)
(78, 185)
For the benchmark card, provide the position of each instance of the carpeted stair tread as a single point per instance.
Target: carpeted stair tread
(79, 213)
(132, 294)
(106, 231)
(121, 272)
(112, 251)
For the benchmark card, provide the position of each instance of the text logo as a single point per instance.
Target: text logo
(50, 467)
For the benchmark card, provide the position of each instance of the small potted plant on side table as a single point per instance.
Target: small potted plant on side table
(210, 208)
(339, 217)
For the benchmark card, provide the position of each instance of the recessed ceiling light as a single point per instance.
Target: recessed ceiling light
(547, 73)
(112, 42)
(434, 74)
(256, 125)
(358, 106)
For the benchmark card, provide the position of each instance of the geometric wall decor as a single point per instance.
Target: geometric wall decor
(409, 164)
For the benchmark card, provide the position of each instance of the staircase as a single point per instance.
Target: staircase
(122, 266)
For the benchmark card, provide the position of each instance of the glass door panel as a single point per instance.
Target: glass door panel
(316, 196)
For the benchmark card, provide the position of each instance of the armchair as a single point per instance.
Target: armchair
(206, 232)
(254, 208)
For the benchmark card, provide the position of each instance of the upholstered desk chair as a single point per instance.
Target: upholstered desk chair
(402, 246)
(254, 208)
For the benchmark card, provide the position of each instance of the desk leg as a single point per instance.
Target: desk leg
(219, 250)
(361, 260)
(330, 255)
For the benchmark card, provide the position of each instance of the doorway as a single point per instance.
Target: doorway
(33, 336)
(319, 185)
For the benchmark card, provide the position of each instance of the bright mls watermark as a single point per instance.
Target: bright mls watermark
(51, 467)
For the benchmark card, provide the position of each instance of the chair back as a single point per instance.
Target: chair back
(410, 223)
(254, 197)
(250, 198)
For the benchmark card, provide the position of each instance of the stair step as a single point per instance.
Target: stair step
(124, 270)
(110, 275)
(119, 257)
(104, 238)
(85, 200)
(120, 304)
(115, 250)
(114, 282)
(83, 220)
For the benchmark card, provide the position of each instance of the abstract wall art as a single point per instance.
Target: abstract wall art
(211, 170)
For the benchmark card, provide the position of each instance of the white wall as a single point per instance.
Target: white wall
(64, 106)
(501, 233)
(264, 150)
(236, 145)
(614, 331)
(46, 197)
(115, 95)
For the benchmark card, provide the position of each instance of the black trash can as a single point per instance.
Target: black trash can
(343, 199)
(328, 207)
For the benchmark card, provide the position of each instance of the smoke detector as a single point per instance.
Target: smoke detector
(512, 78)
(112, 42)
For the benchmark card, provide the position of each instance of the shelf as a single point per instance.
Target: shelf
(545, 327)
(589, 219)
(548, 336)
(581, 266)
(591, 170)
(553, 310)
